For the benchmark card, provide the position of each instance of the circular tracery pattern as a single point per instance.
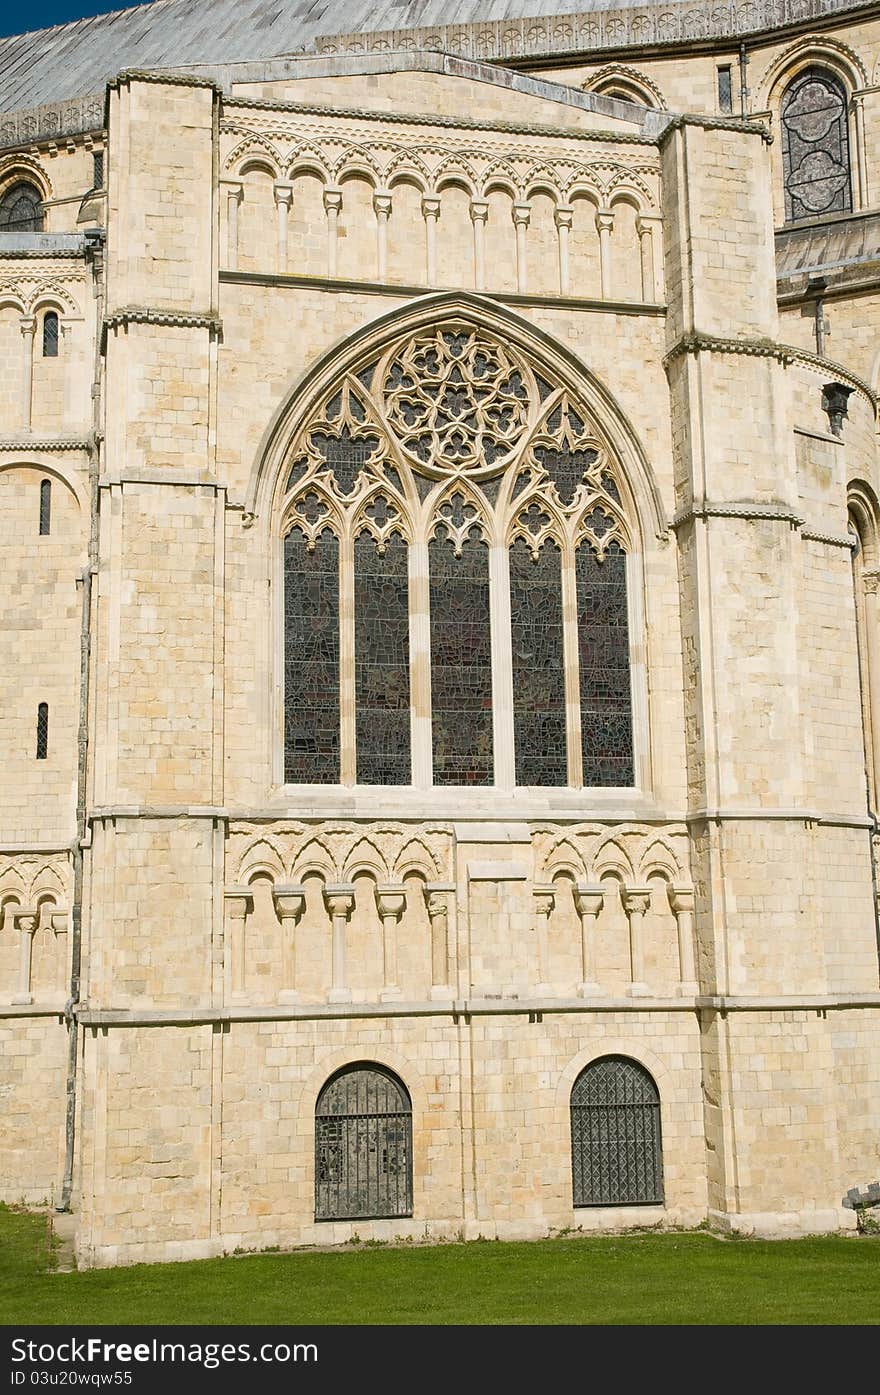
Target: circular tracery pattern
(455, 401)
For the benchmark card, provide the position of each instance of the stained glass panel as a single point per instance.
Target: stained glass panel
(381, 608)
(603, 653)
(461, 663)
(538, 667)
(311, 660)
(815, 146)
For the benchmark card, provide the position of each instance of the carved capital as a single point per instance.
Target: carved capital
(339, 897)
(59, 920)
(290, 901)
(234, 189)
(871, 583)
(284, 194)
(563, 217)
(332, 200)
(437, 898)
(521, 214)
(390, 901)
(604, 220)
(479, 210)
(430, 206)
(647, 222)
(28, 326)
(545, 897)
(239, 901)
(589, 898)
(26, 922)
(681, 899)
(636, 899)
(382, 204)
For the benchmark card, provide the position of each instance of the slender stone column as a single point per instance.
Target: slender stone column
(521, 215)
(437, 896)
(234, 195)
(390, 903)
(589, 899)
(858, 106)
(649, 228)
(290, 902)
(339, 897)
(239, 903)
(283, 201)
(26, 925)
(28, 328)
(431, 215)
(681, 900)
(871, 593)
(563, 219)
(636, 902)
(59, 922)
(605, 226)
(382, 209)
(545, 898)
(332, 206)
(479, 218)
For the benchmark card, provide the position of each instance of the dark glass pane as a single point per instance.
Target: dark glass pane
(21, 209)
(345, 455)
(381, 609)
(363, 1146)
(43, 731)
(566, 468)
(45, 507)
(603, 653)
(538, 667)
(815, 146)
(725, 92)
(97, 169)
(461, 664)
(311, 660)
(616, 1154)
(50, 335)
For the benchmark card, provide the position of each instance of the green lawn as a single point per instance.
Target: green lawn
(644, 1278)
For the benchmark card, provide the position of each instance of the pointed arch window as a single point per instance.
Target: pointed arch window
(21, 208)
(815, 145)
(456, 569)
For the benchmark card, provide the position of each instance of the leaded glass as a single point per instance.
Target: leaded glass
(381, 608)
(603, 654)
(345, 454)
(50, 335)
(566, 468)
(45, 507)
(363, 1146)
(461, 663)
(21, 209)
(538, 666)
(311, 659)
(815, 146)
(616, 1155)
(43, 731)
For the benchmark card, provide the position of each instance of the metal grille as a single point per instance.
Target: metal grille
(363, 1147)
(616, 1158)
(97, 169)
(45, 507)
(50, 335)
(21, 209)
(815, 146)
(42, 731)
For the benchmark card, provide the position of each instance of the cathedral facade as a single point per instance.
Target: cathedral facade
(440, 694)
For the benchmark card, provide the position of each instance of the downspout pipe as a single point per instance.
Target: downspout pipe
(95, 252)
(743, 83)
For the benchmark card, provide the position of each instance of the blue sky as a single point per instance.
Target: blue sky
(39, 14)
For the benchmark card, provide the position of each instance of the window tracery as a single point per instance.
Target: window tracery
(468, 498)
(815, 146)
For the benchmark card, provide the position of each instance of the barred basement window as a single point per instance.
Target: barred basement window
(363, 1146)
(21, 209)
(50, 334)
(815, 146)
(616, 1156)
(45, 507)
(43, 731)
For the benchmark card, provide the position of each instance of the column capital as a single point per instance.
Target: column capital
(871, 582)
(521, 214)
(339, 897)
(646, 222)
(284, 194)
(431, 205)
(234, 188)
(563, 216)
(26, 921)
(59, 922)
(545, 897)
(239, 900)
(289, 899)
(382, 202)
(332, 198)
(391, 900)
(681, 899)
(604, 219)
(636, 899)
(28, 324)
(589, 898)
(479, 210)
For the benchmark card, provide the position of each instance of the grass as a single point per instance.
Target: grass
(646, 1278)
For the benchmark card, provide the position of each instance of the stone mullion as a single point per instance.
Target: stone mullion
(572, 666)
(502, 667)
(347, 677)
(605, 227)
(420, 663)
(28, 328)
(870, 602)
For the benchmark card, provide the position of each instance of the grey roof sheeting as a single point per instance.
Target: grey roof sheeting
(71, 60)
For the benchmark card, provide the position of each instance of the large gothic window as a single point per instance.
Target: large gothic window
(455, 577)
(815, 146)
(616, 1157)
(363, 1146)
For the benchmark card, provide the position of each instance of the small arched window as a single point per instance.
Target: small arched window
(616, 1157)
(815, 146)
(50, 334)
(45, 507)
(43, 731)
(21, 209)
(363, 1146)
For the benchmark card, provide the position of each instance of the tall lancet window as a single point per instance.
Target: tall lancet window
(815, 146)
(457, 540)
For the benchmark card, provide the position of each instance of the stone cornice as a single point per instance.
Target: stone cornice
(786, 354)
(176, 319)
(830, 539)
(715, 123)
(52, 122)
(18, 444)
(747, 509)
